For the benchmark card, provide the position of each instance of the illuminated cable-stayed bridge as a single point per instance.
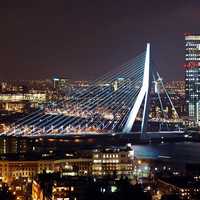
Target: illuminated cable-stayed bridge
(112, 104)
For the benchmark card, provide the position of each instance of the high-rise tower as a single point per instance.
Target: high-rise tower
(192, 76)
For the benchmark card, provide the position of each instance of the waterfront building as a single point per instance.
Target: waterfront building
(119, 161)
(11, 170)
(113, 161)
(20, 102)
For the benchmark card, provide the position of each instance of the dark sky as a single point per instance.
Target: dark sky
(81, 39)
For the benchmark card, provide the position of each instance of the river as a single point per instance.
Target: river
(183, 152)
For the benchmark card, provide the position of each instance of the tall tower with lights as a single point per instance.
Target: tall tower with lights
(192, 76)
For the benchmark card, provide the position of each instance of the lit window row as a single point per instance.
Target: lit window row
(110, 156)
(192, 54)
(193, 58)
(110, 161)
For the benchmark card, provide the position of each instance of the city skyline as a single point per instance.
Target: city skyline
(83, 40)
(99, 100)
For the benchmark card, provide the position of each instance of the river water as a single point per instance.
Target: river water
(183, 152)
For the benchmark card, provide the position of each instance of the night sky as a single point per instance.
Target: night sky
(81, 39)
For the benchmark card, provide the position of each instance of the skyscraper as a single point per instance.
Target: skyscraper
(192, 76)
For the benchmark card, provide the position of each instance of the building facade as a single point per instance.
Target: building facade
(113, 161)
(192, 76)
(11, 170)
(70, 187)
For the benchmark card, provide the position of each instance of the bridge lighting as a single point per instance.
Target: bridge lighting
(110, 103)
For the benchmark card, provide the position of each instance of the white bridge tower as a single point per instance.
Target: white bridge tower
(143, 96)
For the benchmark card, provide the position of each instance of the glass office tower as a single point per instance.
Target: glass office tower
(192, 76)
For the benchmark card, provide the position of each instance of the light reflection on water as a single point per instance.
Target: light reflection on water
(183, 152)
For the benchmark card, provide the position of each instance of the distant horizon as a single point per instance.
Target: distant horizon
(51, 79)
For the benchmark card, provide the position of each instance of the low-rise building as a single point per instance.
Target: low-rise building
(11, 170)
(58, 187)
(184, 187)
(113, 161)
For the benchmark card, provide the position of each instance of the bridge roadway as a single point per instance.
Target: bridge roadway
(112, 138)
(74, 143)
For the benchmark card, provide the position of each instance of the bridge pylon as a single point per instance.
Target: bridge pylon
(143, 96)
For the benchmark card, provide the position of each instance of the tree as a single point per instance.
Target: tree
(5, 194)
